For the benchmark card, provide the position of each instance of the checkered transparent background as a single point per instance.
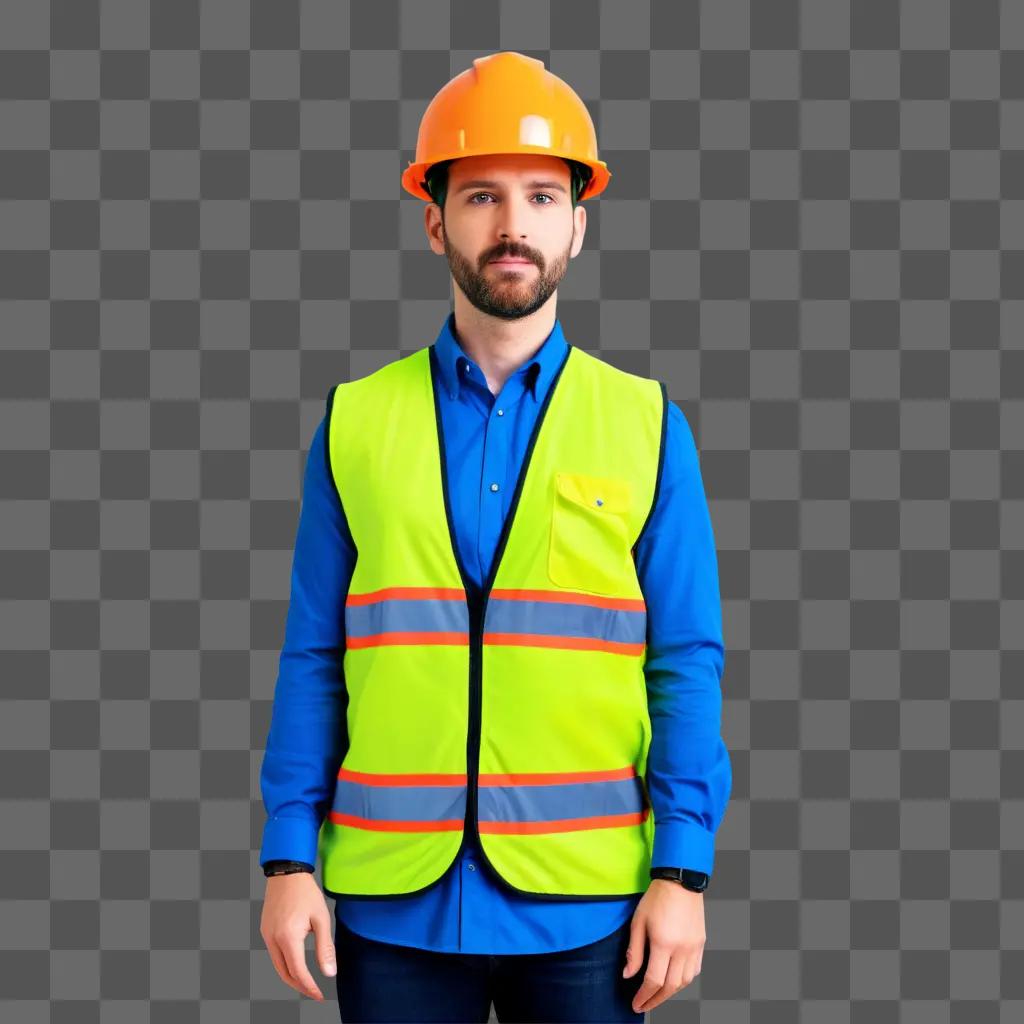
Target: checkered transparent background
(814, 233)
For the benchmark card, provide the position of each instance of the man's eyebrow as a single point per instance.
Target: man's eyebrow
(481, 183)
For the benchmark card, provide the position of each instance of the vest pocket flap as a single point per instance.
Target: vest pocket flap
(603, 493)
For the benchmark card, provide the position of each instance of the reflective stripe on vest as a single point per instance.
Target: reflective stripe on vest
(515, 711)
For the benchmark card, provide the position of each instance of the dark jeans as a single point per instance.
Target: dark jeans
(380, 981)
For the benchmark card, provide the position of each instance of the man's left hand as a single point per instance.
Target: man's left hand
(671, 918)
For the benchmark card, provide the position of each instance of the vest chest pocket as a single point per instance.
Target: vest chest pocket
(590, 544)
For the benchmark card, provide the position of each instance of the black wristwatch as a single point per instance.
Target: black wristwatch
(285, 867)
(695, 881)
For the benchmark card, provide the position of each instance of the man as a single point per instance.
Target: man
(497, 718)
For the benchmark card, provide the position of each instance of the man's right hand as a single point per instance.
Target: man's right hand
(293, 906)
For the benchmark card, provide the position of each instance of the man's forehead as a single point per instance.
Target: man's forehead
(509, 169)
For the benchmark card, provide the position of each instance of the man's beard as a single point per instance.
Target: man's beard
(509, 296)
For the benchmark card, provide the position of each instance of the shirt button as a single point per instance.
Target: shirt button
(494, 487)
(472, 867)
(501, 412)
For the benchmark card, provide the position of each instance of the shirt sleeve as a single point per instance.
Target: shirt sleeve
(308, 734)
(689, 773)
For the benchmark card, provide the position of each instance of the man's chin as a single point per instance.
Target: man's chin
(516, 312)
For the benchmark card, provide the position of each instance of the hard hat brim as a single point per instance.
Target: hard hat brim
(415, 173)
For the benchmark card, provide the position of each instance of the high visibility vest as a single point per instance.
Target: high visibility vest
(515, 711)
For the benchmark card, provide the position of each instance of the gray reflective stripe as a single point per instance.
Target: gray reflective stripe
(400, 803)
(413, 617)
(407, 615)
(536, 806)
(552, 618)
(569, 800)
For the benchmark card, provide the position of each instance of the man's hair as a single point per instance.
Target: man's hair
(436, 181)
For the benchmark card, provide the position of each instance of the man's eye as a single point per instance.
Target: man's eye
(476, 195)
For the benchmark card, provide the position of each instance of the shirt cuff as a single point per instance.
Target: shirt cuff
(290, 839)
(681, 844)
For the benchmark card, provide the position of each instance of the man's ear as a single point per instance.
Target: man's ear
(439, 226)
(579, 225)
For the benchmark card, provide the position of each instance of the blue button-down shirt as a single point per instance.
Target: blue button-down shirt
(689, 775)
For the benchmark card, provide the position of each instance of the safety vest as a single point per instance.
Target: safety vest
(515, 712)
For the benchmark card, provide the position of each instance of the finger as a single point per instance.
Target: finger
(654, 976)
(295, 957)
(673, 983)
(325, 955)
(277, 959)
(635, 950)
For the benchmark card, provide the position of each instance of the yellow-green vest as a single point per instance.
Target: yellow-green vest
(516, 711)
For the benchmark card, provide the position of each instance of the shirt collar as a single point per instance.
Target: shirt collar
(540, 369)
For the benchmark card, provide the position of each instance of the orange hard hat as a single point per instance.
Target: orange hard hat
(506, 103)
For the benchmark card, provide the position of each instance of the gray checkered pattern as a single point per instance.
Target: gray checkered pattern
(814, 234)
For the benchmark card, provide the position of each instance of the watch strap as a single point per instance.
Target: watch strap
(286, 867)
(695, 881)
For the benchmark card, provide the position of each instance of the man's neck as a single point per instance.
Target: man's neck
(500, 347)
